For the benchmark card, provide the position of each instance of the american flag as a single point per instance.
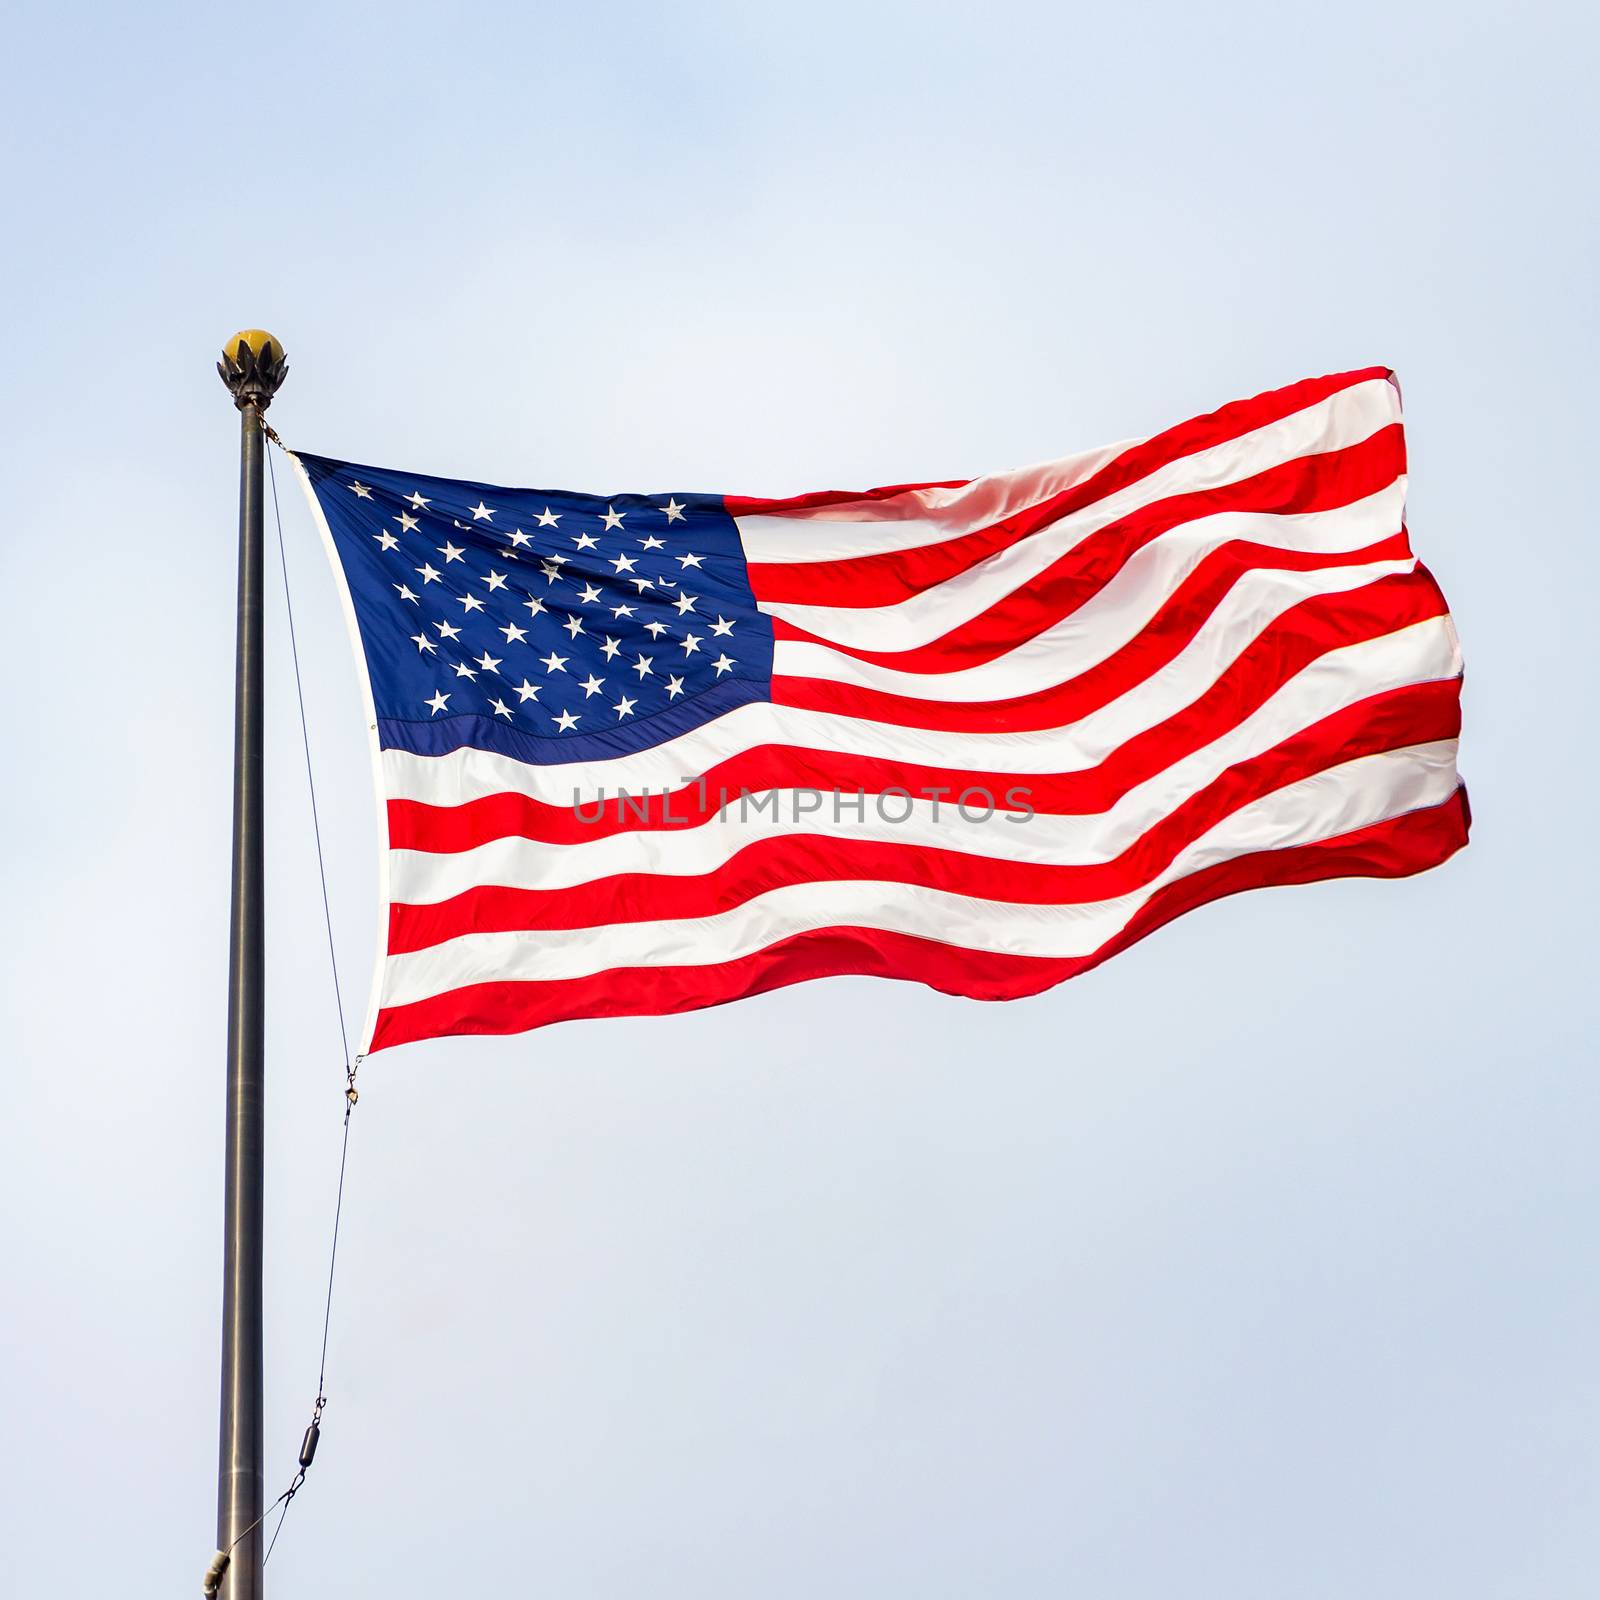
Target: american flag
(644, 753)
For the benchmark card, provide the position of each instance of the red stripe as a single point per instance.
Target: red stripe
(1187, 438)
(1417, 715)
(1160, 638)
(892, 576)
(1319, 624)
(1392, 849)
(1312, 483)
(739, 505)
(1307, 483)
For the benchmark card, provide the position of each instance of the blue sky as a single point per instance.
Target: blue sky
(1260, 1262)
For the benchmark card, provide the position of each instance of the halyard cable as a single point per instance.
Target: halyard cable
(308, 1445)
(350, 1096)
(218, 1569)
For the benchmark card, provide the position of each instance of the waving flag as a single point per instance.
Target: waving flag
(643, 753)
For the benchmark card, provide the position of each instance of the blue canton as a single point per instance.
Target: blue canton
(548, 626)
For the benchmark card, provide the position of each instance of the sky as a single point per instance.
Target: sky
(1260, 1262)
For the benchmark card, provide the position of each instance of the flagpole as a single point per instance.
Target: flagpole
(253, 367)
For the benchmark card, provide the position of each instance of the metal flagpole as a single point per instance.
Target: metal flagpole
(253, 367)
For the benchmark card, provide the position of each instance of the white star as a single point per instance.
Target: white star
(585, 541)
(589, 594)
(429, 572)
(574, 627)
(489, 663)
(407, 522)
(689, 561)
(446, 631)
(653, 543)
(655, 629)
(416, 499)
(386, 540)
(501, 709)
(691, 643)
(404, 593)
(624, 707)
(519, 538)
(623, 564)
(554, 663)
(451, 552)
(609, 649)
(534, 604)
(360, 491)
(425, 645)
(564, 721)
(674, 511)
(481, 512)
(622, 611)
(592, 685)
(613, 517)
(549, 518)
(552, 569)
(495, 580)
(668, 583)
(721, 627)
(724, 663)
(685, 602)
(471, 602)
(528, 691)
(642, 666)
(674, 687)
(506, 553)
(641, 584)
(464, 671)
(439, 702)
(514, 634)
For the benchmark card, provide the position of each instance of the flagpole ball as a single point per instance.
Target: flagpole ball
(253, 367)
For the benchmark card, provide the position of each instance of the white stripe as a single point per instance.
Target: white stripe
(1332, 803)
(931, 516)
(470, 774)
(1144, 584)
(1071, 648)
(1330, 683)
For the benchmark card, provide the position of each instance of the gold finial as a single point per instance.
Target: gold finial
(253, 367)
(258, 339)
